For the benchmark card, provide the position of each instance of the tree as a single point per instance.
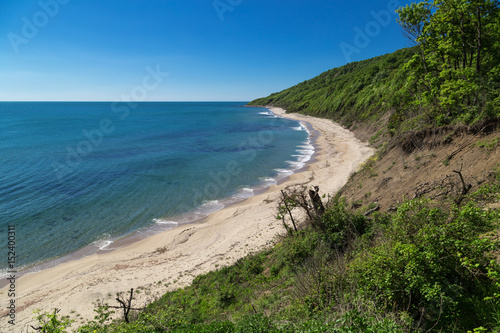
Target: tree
(455, 74)
(412, 19)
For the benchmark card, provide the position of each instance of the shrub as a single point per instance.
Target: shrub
(341, 226)
(433, 263)
(296, 248)
(52, 322)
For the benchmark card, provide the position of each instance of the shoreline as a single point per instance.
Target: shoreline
(112, 244)
(172, 258)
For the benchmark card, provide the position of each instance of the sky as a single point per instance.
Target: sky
(183, 50)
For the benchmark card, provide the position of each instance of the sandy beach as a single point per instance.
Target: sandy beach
(173, 258)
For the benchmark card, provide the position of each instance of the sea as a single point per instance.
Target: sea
(80, 177)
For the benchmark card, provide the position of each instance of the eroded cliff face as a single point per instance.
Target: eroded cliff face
(427, 163)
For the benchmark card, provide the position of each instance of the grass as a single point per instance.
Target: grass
(488, 145)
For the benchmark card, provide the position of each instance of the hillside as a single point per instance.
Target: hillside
(357, 92)
(411, 242)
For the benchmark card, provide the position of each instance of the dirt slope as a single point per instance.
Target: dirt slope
(420, 164)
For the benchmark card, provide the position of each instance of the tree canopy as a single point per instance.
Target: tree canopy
(454, 74)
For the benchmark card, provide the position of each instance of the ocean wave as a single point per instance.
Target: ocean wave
(102, 243)
(244, 193)
(165, 222)
(295, 164)
(303, 157)
(284, 172)
(306, 146)
(306, 149)
(301, 127)
(305, 152)
(208, 207)
(269, 114)
(268, 181)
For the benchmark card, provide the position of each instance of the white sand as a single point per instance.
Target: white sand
(190, 250)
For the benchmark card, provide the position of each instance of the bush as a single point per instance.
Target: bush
(341, 226)
(52, 322)
(296, 248)
(255, 324)
(433, 263)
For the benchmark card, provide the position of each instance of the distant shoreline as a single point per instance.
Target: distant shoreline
(171, 259)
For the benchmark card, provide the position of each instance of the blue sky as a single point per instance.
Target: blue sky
(222, 50)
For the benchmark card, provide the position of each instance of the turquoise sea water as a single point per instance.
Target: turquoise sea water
(74, 174)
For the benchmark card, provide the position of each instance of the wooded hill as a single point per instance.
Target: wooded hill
(356, 92)
(451, 74)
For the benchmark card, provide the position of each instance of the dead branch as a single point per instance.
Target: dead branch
(448, 185)
(465, 187)
(423, 189)
(126, 305)
(289, 210)
(301, 199)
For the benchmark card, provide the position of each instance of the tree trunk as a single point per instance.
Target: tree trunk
(316, 200)
(479, 40)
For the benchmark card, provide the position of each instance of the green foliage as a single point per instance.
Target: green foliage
(354, 321)
(51, 322)
(340, 226)
(420, 268)
(450, 75)
(453, 76)
(294, 250)
(488, 145)
(102, 318)
(433, 263)
(255, 324)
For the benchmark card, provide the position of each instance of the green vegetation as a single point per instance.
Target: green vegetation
(490, 145)
(450, 75)
(419, 268)
(357, 92)
(455, 74)
(426, 266)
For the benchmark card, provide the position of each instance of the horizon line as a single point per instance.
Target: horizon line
(246, 101)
